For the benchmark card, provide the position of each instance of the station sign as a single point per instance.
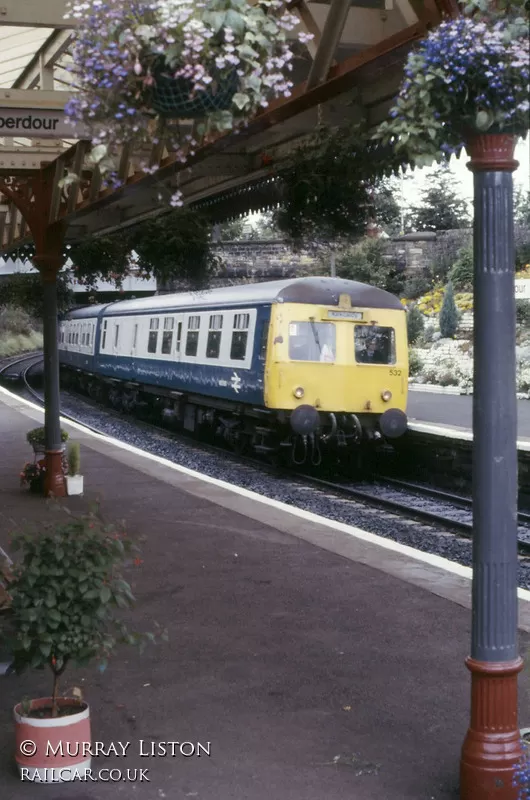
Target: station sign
(34, 123)
(522, 289)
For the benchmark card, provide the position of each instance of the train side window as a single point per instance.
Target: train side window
(152, 343)
(264, 341)
(103, 335)
(374, 344)
(213, 345)
(116, 336)
(312, 341)
(135, 337)
(238, 349)
(178, 340)
(192, 339)
(167, 335)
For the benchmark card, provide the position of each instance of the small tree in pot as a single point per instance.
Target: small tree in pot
(74, 479)
(66, 589)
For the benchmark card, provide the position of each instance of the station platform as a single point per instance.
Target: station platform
(318, 660)
(452, 415)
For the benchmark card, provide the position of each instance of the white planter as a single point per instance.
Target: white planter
(525, 732)
(74, 484)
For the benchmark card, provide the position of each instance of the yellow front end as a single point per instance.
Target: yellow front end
(352, 360)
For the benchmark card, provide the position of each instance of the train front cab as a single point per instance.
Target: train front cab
(340, 370)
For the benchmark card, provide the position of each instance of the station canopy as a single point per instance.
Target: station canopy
(349, 71)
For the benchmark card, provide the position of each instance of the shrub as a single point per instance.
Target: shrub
(416, 286)
(36, 436)
(415, 363)
(461, 273)
(448, 379)
(74, 459)
(522, 312)
(449, 313)
(415, 324)
(25, 291)
(15, 320)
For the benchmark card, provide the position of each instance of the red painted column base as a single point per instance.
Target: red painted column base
(54, 482)
(492, 747)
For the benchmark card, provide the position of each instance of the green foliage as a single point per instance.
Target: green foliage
(522, 255)
(36, 436)
(449, 316)
(522, 312)
(415, 363)
(25, 291)
(104, 258)
(172, 246)
(461, 273)
(15, 320)
(232, 231)
(415, 324)
(74, 459)
(441, 209)
(522, 207)
(416, 286)
(176, 246)
(387, 212)
(328, 184)
(67, 585)
(366, 262)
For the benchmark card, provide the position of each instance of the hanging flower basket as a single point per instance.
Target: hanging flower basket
(223, 61)
(174, 98)
(469, 76)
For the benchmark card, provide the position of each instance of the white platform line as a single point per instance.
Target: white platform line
(358, 533)
(454, 433)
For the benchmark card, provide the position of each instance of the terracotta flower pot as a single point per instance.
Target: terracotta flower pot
(53, 750)
(491, 151)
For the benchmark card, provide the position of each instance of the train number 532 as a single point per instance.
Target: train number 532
(395, 372)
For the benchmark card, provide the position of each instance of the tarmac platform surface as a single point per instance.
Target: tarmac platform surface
(320, 666)
(457, 411)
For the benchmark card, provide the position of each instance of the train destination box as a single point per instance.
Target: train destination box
(522, 289)
(34, 123)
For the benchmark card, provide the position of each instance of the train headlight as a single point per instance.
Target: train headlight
(386, 395)
(298, 392)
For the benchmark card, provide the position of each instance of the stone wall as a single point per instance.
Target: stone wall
(255, 261)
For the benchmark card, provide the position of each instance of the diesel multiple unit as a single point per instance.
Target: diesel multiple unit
(287, 365)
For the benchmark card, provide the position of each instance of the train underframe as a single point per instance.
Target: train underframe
(350, 438)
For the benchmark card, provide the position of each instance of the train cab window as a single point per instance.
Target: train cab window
(238, 349)
(167, 335)
(374, 344)
(104, 335)
(213, 344)
(192, 339)
(152, 342)
(178, 340)
(312, 341)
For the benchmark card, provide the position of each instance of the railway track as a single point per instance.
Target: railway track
(407, 505)
(13, 369)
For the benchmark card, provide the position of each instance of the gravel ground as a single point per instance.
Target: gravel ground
(225, 467)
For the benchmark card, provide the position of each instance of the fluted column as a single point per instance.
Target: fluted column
(492, 748)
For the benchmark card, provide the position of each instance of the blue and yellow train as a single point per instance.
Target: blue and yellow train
(286, 365)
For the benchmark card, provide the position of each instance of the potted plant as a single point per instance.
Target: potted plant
(469, 77)
(74, 480)
(36, 438)
(63, 618)
(141, 67)
(32, 475)
(522, 772)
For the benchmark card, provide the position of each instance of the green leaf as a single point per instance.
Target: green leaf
(45, 648)
(484, 120)
(241, 100)
(54, 614)
(235, 20)
(105, 594)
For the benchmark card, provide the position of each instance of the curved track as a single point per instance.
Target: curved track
(370, 496)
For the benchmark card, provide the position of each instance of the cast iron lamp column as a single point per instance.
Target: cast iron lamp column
(54, 483)
(492, 745)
